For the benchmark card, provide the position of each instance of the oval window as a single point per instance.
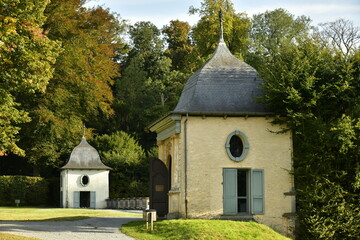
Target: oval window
(236, 146)
(85, 180)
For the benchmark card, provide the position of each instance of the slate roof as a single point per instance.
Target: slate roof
(224, 85)
(84, 156)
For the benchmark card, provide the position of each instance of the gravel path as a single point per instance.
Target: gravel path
(98, 228)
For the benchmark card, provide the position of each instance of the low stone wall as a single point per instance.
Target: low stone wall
(128, 203)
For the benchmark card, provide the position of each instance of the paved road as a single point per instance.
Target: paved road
(99, 228)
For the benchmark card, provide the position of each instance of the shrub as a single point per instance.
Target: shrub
(31, 191)
(129, 175)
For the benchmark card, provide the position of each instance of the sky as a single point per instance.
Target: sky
(161, 12)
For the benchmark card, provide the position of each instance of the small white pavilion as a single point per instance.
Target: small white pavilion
(84, 180)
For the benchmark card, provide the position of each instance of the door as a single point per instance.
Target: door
(84, 199)
(159, 185)
(243, 194)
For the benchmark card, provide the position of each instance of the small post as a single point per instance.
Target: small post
(152, 223)
(17, 202)
(149, 215)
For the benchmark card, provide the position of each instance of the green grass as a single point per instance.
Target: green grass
(202, 229)
(56, 214)
(5, 236)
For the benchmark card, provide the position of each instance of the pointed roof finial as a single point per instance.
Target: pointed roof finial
(84, 130)
(221, 26)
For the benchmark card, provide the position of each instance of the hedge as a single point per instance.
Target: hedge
(32, 191)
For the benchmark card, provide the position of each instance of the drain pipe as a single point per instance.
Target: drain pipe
(186, 187)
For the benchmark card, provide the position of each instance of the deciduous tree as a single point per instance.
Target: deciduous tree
(207, 31)
(182, 52)
(129, 174)
(27, 56)
(81, 88)
(314, 90)
(148, 87)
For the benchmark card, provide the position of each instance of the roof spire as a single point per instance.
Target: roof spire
(221, 26)
(84, 128)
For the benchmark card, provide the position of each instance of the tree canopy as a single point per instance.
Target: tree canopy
(80, 90)
(314, 89)
(207, 31)
(27, 56)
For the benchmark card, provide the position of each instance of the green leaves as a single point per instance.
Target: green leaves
(129, 174)
(206, 33)
(26, 62)
(314, 90)
(328, 210)
(148, 87)
(81, 88)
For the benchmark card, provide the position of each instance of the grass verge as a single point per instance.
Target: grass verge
(5, 236)
(56, 214)
(202, 229)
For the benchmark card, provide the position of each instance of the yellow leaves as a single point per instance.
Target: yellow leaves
(7, 25)
(7, 61)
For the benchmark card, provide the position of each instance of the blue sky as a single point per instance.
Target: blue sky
(160, 12)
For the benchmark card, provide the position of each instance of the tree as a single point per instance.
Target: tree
(207, 31)
(342, 35)
(148, 86)
(314, 91)
(129, 174)
(27, 56)
(81, 88)
(183, 54)
(271, 31)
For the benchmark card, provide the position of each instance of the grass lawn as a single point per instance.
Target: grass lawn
(56, 214)
(202, 229)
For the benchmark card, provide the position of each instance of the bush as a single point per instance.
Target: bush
(32, 191)
(129, 176)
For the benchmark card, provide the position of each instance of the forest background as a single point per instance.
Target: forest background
(63, 66)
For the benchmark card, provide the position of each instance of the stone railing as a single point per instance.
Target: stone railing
(128, 203)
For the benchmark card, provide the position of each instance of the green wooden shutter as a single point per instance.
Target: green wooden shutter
(230, 190)
(92, 200)
(257, 191)
(76, 199)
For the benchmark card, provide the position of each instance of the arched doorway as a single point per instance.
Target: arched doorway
(159, 187)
